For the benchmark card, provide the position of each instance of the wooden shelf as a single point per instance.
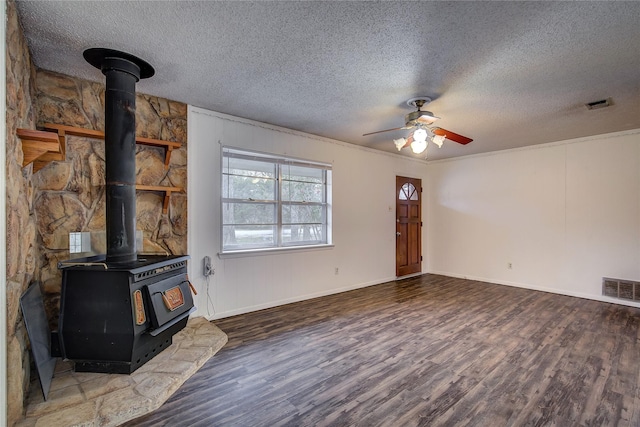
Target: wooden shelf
(166, 190)
(40, 147)
(64, 130)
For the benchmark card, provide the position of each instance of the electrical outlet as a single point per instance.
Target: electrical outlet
(207, 270)
(509, 266)
(337, 271)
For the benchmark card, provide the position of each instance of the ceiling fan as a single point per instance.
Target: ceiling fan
(422, 121)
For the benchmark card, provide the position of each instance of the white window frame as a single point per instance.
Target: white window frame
(280, 162)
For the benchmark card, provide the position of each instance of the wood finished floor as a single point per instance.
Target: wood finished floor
(425, 351)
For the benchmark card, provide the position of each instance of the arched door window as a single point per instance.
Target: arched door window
(408, 192)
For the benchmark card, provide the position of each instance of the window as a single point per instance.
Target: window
(273, 202)
(408, 192)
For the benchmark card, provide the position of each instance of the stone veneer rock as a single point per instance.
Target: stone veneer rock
(22, 245)
(65, 196)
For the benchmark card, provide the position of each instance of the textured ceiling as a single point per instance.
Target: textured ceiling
(507, 74)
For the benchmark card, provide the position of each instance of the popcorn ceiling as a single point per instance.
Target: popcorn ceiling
(506, 74)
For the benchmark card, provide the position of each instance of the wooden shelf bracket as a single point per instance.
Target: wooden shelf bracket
(166, 190)
(40, 147)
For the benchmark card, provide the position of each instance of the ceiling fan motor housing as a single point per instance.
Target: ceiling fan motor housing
(420, 117)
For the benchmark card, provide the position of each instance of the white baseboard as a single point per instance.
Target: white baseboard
(600, 298)
(298, 298)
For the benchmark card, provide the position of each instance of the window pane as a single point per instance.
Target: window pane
(303, 233)
(414, 193)
(293, 191)
(248, 213)
(402, 195)
(248, 187)
(248, 236)
(235, 166)
(301, 173)
(297, 214)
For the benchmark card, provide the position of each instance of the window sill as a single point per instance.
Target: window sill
(272, 251)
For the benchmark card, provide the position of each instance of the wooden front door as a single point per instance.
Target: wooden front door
(408, 226)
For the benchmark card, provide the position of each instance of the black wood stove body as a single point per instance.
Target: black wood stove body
(114, 318)
(119, 310)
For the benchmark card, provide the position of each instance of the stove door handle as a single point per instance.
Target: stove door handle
(193, 289)
(166, 302)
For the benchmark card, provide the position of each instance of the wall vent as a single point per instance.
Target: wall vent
(598, 104)
(621, 289)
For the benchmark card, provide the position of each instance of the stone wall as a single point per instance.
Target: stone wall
(43, 207)
(69, 196)
(21, 245)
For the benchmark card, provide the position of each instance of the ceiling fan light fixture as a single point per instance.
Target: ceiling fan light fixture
(438, 140)
(418, 146)
(420, 134)
(419, 143)
(400, 142)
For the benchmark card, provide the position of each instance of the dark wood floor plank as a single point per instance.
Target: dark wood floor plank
(424, 351)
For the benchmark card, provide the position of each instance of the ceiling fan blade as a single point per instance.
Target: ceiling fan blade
(380, 131)
(455, 137)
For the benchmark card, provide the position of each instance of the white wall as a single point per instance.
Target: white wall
(564, 214)
(363, 218)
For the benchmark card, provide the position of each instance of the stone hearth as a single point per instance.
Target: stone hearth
(90, 399)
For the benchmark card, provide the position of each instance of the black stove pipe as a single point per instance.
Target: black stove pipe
(122, 72)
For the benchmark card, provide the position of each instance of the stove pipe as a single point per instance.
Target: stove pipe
(122, 72)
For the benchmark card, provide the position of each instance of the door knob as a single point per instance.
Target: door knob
(398, 233)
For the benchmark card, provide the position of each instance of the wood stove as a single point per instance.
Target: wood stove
(119, 310)
(114, 318)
